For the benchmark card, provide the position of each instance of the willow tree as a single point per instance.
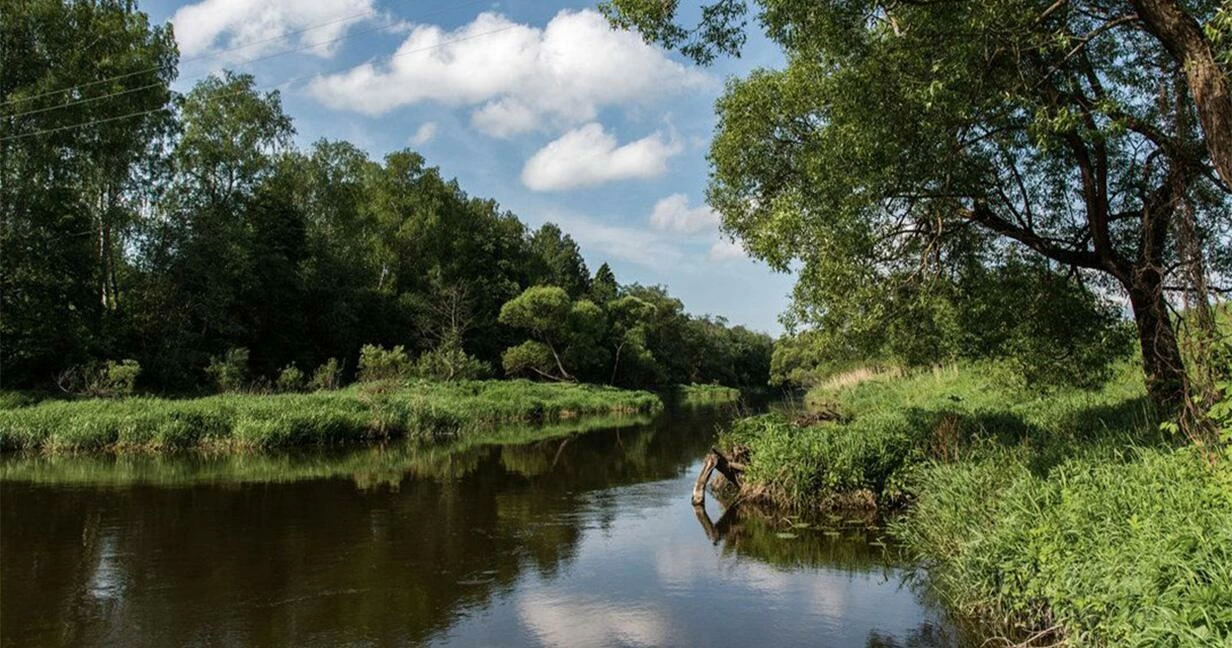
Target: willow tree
(908, 138)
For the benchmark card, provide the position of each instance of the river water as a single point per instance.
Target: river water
(587, 539)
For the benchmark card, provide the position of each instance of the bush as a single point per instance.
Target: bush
(290, 379)
(230, 372)
(327, 376)
(109, 379)
(379, 363)
(450, 362)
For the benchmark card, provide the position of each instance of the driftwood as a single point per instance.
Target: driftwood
(715, 460)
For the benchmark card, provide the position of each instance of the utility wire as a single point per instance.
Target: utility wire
(216, 54)
(284, 83)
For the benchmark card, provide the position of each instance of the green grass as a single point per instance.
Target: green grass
(1065, 510)
(366, 412)
(694, 394)
(895, 424)
(1133, 550)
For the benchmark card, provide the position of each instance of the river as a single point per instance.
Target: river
(586, 539)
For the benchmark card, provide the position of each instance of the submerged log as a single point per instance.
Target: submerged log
(715, 461)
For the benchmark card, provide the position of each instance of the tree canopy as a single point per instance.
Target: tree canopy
(904, 142)
(188, 232)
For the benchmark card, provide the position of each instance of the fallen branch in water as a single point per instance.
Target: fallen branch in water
(715, 460)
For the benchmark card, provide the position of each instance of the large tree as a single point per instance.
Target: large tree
(906, 139)
(73, 179)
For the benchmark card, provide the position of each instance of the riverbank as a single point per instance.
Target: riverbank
(1063, 516)
(365, 412)
(696, 394)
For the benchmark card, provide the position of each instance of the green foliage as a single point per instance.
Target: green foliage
(196, 224)
(893, 425)
(999, 127)
(1053, 331)
(377, 363)
(230, 372)
(107, 379)
(249, 421)
(290, 379)
(566, 334)
(696, 394)
(327, 376)
(530, 357)
(69, 198)
(1029, 510)
(1129, 549)
(450, 361)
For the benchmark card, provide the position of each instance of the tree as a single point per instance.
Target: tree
(904, 140)
(603, 287)
(630, 318)
(560, 261)
(565, 333)
(71, 194)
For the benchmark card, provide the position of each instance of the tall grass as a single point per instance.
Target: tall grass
(694, 393)
(1133, 550)
(1061, 516)
(373, 411)
(891, 426)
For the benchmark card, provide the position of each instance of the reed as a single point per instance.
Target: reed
(361, 413)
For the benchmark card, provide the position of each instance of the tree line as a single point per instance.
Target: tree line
(192, 237)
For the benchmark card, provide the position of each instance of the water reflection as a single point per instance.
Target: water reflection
(582, 539)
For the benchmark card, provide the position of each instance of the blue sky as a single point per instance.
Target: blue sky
(536, 104)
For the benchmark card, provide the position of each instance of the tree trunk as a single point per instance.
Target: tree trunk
(1162, 363)
(1211, 89)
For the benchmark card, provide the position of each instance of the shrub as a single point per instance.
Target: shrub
(326, 376)
(107, 379)
(230, 372)
(379, 363)
(450, 361)
(290, 379)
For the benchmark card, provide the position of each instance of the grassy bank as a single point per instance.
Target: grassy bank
(1067, 512)
(366, 412)
(695, 394)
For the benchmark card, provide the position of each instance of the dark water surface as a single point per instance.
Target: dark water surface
(583, 540)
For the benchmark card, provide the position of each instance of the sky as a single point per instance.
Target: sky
(537, 104)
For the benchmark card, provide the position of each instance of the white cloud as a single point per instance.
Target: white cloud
(423, 134)
(516, 76)
(266, 25)
(589, 156)
(673, 214)
(726, 249)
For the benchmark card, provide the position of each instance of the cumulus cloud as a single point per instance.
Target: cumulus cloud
(725, 250)
(423, 134)
(260, 26)
(517, 77)
(673, 214)
(590, 156)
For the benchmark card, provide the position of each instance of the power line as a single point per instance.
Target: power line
(284, 83)
(217, 53)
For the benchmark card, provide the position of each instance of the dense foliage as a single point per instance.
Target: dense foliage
(904, 142)
(366, 412)
(1053, 330)
(197, 242)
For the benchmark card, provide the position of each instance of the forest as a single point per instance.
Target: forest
(191, 247)
(1006, 365)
